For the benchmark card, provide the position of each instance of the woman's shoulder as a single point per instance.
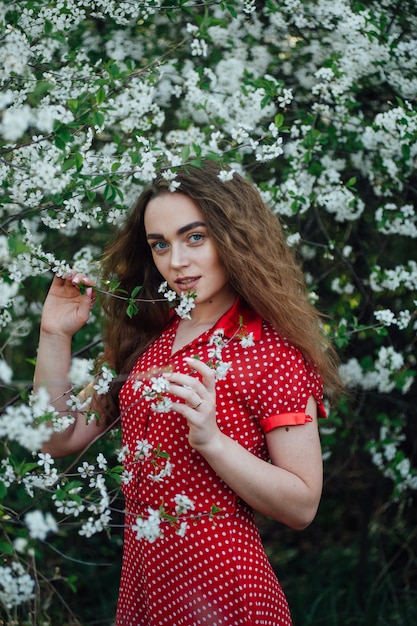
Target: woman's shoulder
(272, 335)
(280, 352)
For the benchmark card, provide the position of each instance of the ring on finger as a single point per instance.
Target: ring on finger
(197, 405)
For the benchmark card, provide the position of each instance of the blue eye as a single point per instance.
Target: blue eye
(196, 237)
(159, 246)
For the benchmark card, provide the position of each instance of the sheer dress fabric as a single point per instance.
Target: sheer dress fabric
(218, 573)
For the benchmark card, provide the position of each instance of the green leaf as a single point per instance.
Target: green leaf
(71, 580)
(185, 153)
(73, 105)
(25, 468)
(231, 10)
(68, 165)
(197, 149)
(109, 193)
(90, 195)
(98, 118)
(132, 309)
(405, 151)
(47, 27)
(265, 100)
(3, 489)
(62, 137)
(342, 342)
(114, 70)
(6, 548)
(136, 291)
(78, 157)
(278, 120)
(100, 95)
(113, 284)
(97, 180)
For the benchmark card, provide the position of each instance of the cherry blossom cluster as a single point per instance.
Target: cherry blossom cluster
(156, 387)
(186, 304)
(150, 526)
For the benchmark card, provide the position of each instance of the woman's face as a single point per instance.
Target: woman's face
(183, 251)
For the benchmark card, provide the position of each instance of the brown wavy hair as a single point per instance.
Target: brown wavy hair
(252, 247)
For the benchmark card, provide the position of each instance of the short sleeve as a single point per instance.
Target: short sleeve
(284, 419)
(283, 384)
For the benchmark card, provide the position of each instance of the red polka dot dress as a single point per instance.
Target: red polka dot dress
(217, 572)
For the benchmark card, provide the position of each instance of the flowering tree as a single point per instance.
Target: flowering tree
(315, 101)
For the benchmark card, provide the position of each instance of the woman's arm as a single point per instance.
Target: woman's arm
(289, 488)
(65, 311)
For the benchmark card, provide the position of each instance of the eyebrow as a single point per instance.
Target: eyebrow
(180, 231)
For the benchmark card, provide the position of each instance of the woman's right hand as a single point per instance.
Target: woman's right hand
(67, 306)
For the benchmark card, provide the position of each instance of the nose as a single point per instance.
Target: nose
(179, 256)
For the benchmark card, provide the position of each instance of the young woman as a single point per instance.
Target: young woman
(243, 391)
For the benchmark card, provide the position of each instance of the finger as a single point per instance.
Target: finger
(186, 387)
(82, 279)
(206, 372)
(86, 288)
(92, 295)
(85, 304)
(190, 414)
(189, 394)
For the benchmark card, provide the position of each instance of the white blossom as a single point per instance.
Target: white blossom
(80, 371)
(294, 239)
(183, 504)
(6, 372)
(46, 461)
(143, 449)
(62, 422)
(247, 341)
(86, 469)
(102, 462)
(169, 294)
(226, 175)
(164, 472)
(40, 524)
(102, 385)
(163, 405)
(15, 122)
(185, 306)
(181, 531)
(149, 527)
(385, 316)
(16, 585)
(7, 292)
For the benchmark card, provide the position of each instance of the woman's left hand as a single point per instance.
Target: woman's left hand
(199, 402)
(288, 488)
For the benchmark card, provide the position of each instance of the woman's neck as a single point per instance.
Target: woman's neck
(208, 313)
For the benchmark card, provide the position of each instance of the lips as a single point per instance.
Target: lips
(187, 283)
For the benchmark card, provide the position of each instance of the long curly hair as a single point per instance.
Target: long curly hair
(252, 247)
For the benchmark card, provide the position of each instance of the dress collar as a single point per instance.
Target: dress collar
(240, 318)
